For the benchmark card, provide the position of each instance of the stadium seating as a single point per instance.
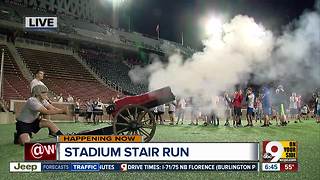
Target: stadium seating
(113, 70)
(64, 74)
(15, 86)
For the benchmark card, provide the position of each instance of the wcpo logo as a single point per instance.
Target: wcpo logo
(41, 22)
(25, 167)
(279, 151)
(40, 151)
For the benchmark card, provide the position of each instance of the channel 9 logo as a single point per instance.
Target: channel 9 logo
(40, 151)
(123, 167)
(280, 151)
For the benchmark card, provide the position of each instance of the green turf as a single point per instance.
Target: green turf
(307, 134)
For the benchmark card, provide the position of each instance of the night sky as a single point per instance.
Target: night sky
(176, 16)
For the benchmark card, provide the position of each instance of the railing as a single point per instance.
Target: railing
(43, 43)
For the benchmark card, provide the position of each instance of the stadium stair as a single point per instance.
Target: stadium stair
(15, 85)
(101, 79)
(66, 75)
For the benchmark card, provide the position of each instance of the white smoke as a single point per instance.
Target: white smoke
(296, 59)
(225, 61)
(241, 48)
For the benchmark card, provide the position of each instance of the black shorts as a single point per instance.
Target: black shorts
(171, 112)
(160, 113)
(88, 115)
(237, 111)
(29, 128)
(98, 112)
(77, 111)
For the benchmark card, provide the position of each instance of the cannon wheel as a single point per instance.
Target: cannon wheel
(134, 120)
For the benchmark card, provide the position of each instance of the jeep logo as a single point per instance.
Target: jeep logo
(25, 167)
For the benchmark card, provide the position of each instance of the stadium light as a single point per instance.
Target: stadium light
(213, 26)
(118, 2)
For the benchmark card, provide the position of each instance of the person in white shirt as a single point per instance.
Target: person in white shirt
(304, 112)
(76, 110)
(228, 108)
(70, 99)
(37, 80)
(250, 108)
(154, 111)
(29, 120)
(60, 98)
(172, 109)
(293, 105)
(97, 111)
(181, 109)
(161, 110)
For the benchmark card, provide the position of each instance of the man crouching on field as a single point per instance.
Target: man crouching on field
(29, 120)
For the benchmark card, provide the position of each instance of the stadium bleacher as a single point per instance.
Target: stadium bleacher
(15, 86)
(64, 74)
(113, 70)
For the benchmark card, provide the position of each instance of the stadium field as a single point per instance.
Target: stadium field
(307, 134)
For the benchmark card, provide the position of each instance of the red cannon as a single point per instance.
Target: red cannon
(131, 115)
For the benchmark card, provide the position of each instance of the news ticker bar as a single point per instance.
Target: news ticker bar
(100, 138)
(158, 152)
(130, 167)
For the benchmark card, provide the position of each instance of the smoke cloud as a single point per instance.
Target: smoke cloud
(295, 62)
(243, 47)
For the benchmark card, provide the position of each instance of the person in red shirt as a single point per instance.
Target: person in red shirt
(237, 101)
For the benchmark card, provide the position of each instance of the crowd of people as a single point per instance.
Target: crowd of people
(265, 106)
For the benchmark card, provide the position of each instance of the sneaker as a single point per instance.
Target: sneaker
(247, 125)
(15, 138)
(30, 135)
(251, 125)
(264, 125)
(51, 134)
(295, 121)
(181, 123)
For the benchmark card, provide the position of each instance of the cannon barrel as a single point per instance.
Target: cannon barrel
(149, 100)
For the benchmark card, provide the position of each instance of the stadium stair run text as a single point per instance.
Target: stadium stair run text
(128, 152)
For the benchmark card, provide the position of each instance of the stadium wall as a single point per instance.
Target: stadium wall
(7, 118)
